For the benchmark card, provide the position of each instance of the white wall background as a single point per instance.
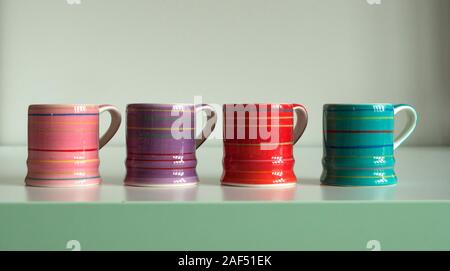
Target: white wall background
(299, 51)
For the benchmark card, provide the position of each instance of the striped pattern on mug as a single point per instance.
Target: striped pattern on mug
(161, 145)
(63, 145)
(358, 145)
(258, 144)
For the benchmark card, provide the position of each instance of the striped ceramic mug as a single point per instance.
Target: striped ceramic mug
(161, 143)
(359, 144)
(258, 143)
(63, 143)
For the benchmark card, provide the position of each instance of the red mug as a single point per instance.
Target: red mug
(258, 143)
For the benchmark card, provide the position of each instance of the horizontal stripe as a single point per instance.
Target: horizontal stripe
(257, 171)
(362, 138)
(48, 150)
(361, 109)
(137, 116)
(160, 168)
(240, 126)
(63, 114)
(64, 161)
(258, 144)
(271, 161)
(374, 152)
(229, 110)
(360, 147)
(63, 122)
(353, 168)
(154, 135)
(359, 131)
(64, 179)
(160, 160)
(359, 118)
(43, 130)
(159, 154)
(362, 177)
(53, 172)
(160, 128)
(262, 118)
(359, 156)
(159, 110)
(359, 125)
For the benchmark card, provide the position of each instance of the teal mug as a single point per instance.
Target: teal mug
(359, 144)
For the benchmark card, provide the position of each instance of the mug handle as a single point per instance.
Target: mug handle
(410, 125)
(115, 123)
(302, 121)
(211, 115)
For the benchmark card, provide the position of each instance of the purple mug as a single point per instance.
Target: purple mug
(161, 143)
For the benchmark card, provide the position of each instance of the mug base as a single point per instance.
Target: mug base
(281, 185)
(161, 182)
(160, 185)
(343, 185)
(359, 183)
(63, 183)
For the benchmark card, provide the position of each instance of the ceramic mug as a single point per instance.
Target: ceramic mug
(63, 143)
(161, 143)
(359, 144)
(258, 143)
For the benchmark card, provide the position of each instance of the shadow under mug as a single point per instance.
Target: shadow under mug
(161, 143)
(72, 194)
(359, 144)
(63, 143)
(233, 193)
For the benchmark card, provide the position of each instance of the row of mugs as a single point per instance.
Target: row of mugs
(358, 143)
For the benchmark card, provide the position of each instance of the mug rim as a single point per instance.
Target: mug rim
(159, 104)
(60, 105)
(355, 104)
(282, 104)
(260, 103)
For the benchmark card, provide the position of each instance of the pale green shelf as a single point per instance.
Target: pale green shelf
(413, 215)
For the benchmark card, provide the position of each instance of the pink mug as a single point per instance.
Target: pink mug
(63, 143)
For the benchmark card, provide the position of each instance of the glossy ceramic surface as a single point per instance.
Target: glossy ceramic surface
(252, 155)
(161, 144)
(63, 144)
(358, 143)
